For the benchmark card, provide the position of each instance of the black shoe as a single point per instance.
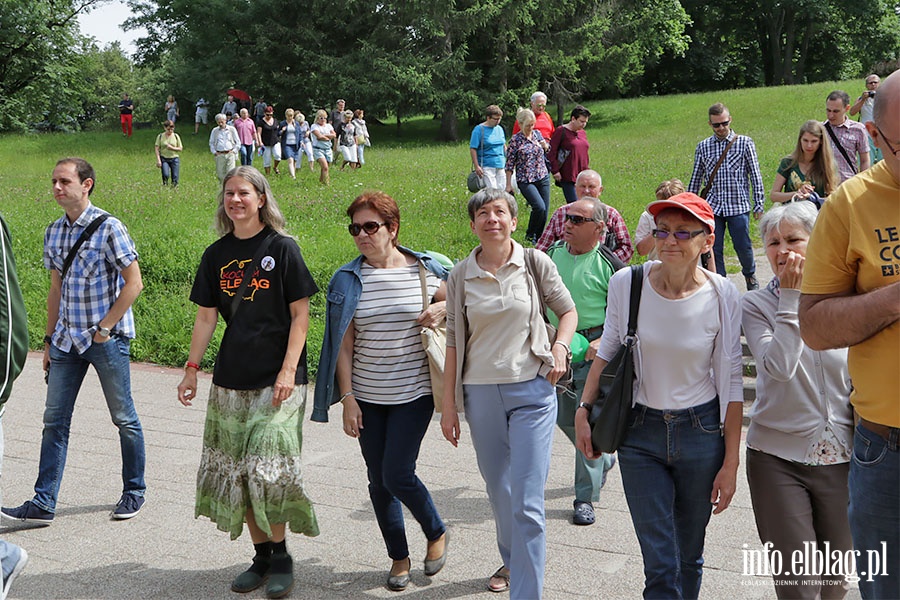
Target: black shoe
(29, 513)
(752, 283)
(584, 513)
(128, 506)
(253, 577)
(432, 567)
(398, 583)
(281, 576)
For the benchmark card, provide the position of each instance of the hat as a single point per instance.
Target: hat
(689, 202)
(269, 110)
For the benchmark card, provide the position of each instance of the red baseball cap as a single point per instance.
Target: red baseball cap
(689, 202)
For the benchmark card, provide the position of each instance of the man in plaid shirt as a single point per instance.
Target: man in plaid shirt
(89, 322)
(729, 195)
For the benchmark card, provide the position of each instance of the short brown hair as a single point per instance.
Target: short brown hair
(717, 109)
(381, 203)
(83, 168)
(669, 188)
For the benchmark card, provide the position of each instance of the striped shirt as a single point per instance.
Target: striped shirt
(389, 363)
(730, 193)
(92, 283)
(855, 140)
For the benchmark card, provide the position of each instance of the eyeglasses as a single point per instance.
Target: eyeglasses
(497, 117)
(170, 127)
(541, 105)
(722, 124)
(578, 219)
(370, 227)
(661, 234)
(884, 137)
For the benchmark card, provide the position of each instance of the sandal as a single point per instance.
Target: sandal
(499, 574)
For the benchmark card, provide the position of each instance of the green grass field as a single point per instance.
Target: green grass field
(635, 144)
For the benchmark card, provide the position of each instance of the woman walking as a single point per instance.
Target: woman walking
(250, 467)
(167, 148)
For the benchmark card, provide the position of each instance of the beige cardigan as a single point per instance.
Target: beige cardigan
(554, 292)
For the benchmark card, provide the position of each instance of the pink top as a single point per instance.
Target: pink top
(246, 129)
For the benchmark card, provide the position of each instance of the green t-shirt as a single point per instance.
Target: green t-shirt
(161, 142)
(586, 276)
(794, 177)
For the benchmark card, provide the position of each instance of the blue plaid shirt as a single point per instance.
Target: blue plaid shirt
(730, 192)
(93, 281)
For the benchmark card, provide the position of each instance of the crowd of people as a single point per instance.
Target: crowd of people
(823, 445)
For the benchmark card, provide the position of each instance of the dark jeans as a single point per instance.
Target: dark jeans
(568, 188)
(739, 229)
(247, 154)
(537, 194)
(170, 167)
(668, 462)
(390, 439)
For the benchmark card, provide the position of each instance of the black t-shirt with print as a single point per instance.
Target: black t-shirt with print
(253, 346)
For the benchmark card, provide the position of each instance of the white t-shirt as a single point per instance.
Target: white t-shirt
(676, 346)
(389, 363)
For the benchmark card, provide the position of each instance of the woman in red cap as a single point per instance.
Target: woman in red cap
(680, 456)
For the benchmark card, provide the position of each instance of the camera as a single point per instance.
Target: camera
(871, 93)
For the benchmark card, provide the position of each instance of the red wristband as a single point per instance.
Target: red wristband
(191, 365)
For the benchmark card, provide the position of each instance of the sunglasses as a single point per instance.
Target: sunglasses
(722, 124)
(370, 227)
(887, 143)
(678, 235)
(578, 219)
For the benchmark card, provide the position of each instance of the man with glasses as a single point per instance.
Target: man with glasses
(726, 166)
(864, 106)
(850, 297)
(543, 121)
(848, 138)
(585, 267)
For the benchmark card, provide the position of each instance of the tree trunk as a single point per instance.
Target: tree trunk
(790, 34)
(448, 125)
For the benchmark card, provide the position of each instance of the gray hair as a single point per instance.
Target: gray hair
(537, 95)
(220, 116)
(589, 173)
(488, 195)
(801, 213)
(599, 213)
(269, 213)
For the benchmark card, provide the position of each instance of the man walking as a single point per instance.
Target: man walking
(725, 167)
(224, 143)
(585, 270)
(850, 297)
(13, 351)
(126, 114)
(336, 118)
(848, 138)
(94, 280)
(864, 105)
(543, 122)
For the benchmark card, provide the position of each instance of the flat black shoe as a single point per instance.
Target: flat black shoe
(433, 567)
(281, 576)
(253, 577)
(752, 283)
(398, 583)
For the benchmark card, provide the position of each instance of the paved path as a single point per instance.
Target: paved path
(165, 553)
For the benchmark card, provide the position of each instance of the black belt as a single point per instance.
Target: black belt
(591, 333)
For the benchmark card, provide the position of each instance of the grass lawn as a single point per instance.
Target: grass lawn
(635, 144)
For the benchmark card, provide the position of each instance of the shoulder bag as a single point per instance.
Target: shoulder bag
(88, 232)
(609, 415)
(474, 182)
(705, 191)
(434, 341)
(840, 147)
(531, 269)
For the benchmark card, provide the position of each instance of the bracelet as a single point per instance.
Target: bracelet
(47, 339)
(345, 395)
(589, 407)
(191, 365)
(564, 345)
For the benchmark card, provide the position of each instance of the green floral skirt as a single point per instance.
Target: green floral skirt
(251, 459)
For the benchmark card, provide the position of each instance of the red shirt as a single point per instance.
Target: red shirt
(543, 123)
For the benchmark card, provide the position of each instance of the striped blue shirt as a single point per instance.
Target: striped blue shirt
(93, 281)
(730, 193)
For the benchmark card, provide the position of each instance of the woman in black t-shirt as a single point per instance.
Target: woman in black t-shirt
(250, 467)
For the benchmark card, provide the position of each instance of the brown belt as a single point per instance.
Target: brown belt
(878, 429)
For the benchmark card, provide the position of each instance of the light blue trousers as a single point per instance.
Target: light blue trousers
(9, 553)
(512, 428)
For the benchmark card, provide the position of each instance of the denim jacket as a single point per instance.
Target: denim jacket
(344, 291)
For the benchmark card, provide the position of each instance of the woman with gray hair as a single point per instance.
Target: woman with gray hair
(801, 425)
(502, 366)
(250, 469)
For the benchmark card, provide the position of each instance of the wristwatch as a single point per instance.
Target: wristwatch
(585, 405)
(103, 331)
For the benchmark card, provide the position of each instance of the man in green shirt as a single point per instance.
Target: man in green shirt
(585, 266)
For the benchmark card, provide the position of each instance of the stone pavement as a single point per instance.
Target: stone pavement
(165, 553)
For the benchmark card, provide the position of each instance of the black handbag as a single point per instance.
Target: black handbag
(609, 415)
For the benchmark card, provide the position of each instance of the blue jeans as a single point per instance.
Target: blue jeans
(9, 553)
(170, 167)
(537, 194)
(668, 462)
(247, 154)
(590, 474)
(390, 439)
(875, 510)
(511, 425)
(739, 229)
(568, 188)
(67, 371)
(360, 152)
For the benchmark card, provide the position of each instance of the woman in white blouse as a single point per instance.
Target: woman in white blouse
(801, 426)
(680, 456)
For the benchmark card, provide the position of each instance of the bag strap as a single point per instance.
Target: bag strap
(840, 146)
(248, 272)
(715, 170)
(531, 268)
(87, 233)
(637, 284)
(424, 286)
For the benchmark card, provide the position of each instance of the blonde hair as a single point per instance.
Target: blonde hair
(289, 114)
